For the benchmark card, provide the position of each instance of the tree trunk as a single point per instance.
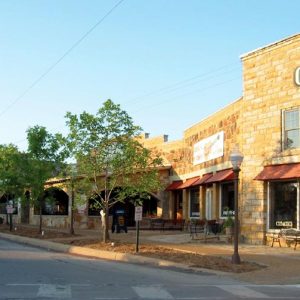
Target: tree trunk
(41, 220)
(72, 232)
(106, 225)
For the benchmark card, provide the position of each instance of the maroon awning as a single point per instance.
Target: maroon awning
(223, 175)
(188, 183)
(286, 171)
(174, 185)
(203, 179)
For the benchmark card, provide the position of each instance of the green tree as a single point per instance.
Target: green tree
(46, 158)
(110, 158)
(13, 173)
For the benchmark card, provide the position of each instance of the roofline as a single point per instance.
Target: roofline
(212, 114)
(267, 47)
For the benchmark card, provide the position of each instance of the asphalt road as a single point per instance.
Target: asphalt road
(32, 273)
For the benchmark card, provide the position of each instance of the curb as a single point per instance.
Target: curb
(103, 254)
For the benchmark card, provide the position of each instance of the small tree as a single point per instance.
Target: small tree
(109, 156)
(46, 156)
(13, 172)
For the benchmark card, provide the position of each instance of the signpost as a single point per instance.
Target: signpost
(138, 216)
(10, 211)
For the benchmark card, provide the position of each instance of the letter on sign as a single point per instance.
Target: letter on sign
(297, 76)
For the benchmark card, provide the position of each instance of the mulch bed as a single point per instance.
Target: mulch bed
(190, 259)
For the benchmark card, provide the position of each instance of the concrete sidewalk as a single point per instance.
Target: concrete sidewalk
(283, 264)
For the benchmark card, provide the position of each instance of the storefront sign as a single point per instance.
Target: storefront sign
(297, 76)
(209, 148)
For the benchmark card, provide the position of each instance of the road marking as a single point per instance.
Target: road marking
(242, 291)
(152, 292)
(54, 291)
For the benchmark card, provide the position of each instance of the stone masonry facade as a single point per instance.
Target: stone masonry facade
(254, 123)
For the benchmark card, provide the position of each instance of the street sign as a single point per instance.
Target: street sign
(138, 216)
(9, 209)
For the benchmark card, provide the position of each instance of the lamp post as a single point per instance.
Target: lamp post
(236, 158)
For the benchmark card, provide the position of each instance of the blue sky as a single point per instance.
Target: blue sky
(168, 63)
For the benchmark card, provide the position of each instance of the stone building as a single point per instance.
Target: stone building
(265, 124)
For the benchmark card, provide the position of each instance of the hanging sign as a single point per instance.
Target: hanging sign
(297, 76)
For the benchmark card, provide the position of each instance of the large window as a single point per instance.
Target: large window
(283, 204)
(227, 199)
(194, 203)
(291, 128)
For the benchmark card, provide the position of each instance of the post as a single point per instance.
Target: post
(137, 236)
(236, 257)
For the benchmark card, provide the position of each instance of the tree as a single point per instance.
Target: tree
(13, 173)
(46, 157)
(110, 157)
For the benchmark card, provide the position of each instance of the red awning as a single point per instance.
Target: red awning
(287, 171)
(203, 179)
(188, 183)
(221, 176)
(174, 185)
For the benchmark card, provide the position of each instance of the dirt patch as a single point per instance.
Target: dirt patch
(190, 259)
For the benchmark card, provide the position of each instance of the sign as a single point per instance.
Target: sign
(138, 215)
(10, 209)
(297, 76)
(209, 148)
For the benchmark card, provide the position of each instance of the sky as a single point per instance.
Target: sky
(168, 63)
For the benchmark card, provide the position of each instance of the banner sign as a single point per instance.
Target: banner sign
(209, 148)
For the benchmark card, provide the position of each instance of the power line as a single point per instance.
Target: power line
(60, 59)
(186, 82)
(186, 94)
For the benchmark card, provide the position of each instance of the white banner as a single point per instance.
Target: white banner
(209, 148)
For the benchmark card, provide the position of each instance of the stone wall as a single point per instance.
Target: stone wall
(269, 88)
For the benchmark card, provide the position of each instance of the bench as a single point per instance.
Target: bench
(207, 229)
(166, 224)
(290, 236)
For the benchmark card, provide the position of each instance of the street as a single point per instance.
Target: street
(32, 273)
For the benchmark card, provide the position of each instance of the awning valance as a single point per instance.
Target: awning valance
(202, 180)
(221, 176)
(275, 172)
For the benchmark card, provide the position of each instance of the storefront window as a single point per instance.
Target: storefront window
(283, 204)
(291, 129)
(227, 199)
(194, 203)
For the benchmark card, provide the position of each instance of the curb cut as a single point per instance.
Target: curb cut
(103, 254)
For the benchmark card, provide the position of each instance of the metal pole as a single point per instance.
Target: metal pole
(137, 236)
(235, 257)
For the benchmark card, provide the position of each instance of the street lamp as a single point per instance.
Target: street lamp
(236, 158)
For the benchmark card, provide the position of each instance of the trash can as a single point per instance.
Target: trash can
(119, 221)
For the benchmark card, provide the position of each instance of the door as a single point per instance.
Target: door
(208, 204)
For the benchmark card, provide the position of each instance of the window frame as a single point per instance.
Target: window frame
(284, 131)
(271, 205)
(191, 191)
(221, 215)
